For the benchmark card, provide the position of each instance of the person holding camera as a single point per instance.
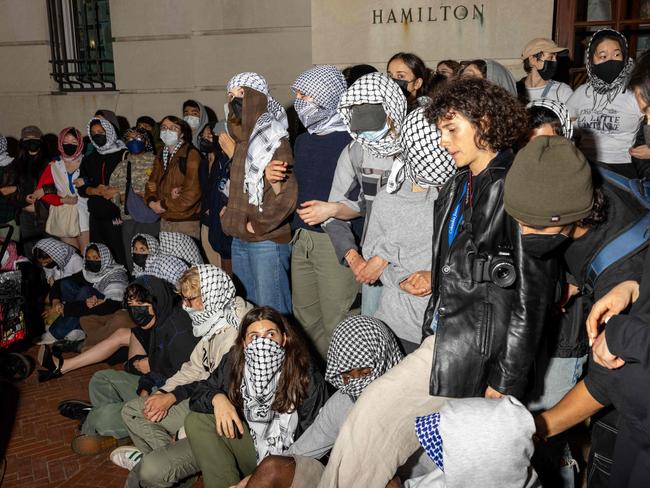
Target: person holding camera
(487, 309)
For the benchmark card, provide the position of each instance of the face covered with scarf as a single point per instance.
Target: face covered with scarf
(608, 64)
(70, 145)
(143, 246)
(318, 92)
(560, 110)
(5, 159)
(217, 293)
(361, 107)
(101, 270)
(358, 343)
(422, 161)
(105, 139)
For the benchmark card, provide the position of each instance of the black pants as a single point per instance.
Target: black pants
(603, 443)
(104, 232)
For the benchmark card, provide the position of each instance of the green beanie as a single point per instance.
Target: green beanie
(549, 184)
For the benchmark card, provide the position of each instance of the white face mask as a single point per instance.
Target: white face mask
(169, 137)
(192, 120)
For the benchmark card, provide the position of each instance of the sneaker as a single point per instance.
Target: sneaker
(75, 335)
(126, 456)
(89, 445)
(46, 339)
(75, 409)
(181, 433)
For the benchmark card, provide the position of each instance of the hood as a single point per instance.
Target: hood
(618, 85)
(254, 105)
(111, 117)
(60, 252)
(203, 121)
(163, 293)
(500, 75)
(5, 159)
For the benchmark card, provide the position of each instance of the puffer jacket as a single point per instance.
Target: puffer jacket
(182, 172)
(485, 335)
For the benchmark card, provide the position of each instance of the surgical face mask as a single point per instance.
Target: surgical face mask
(169, 137)
(404, 86)
(236, 106)
(99, 139)
(135, 146)
(140, 314)
(140, 259)
(69, 149)
(92, 266)
(374, 135)
(548, 70)
(539, 245)
(609, 70)
(193, 121)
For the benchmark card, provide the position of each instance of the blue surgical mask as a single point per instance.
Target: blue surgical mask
(374, 135)
(135, 146)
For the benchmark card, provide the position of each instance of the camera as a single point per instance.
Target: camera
(498, 269)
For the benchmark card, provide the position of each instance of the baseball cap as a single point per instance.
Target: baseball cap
(540, 45)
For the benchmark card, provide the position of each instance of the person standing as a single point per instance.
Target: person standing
(540, 64)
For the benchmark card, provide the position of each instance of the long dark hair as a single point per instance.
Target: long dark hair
(420, 70)
(294, 379)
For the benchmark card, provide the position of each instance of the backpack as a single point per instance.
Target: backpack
(631, 240)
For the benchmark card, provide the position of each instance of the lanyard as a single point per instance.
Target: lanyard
(456, 218)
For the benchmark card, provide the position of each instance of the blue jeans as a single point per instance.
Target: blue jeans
(370, 299)
(71, 291)
(263, 270)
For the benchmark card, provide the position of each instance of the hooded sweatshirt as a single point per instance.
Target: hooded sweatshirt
(203, 121)
(606, 115)
(501, 76)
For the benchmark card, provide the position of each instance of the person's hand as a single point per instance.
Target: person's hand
(243, 483)
(249, 227)
(31, 198)
(225, 415)
(55, 309)
(77, 182)
(39, 193)
(156, 207)
(492, 393)
(176, 192)
(69, 200)
(157, 406)
(110, 192)
(8, 190)
(418, 284)
(373, 269)
(618, 299)
(356, 262)
(276, 171)
(144, 393)
(93, 301)
(227, 144)
(222, 211)
(151, 186)
(603, 356)
(568, 292)
(314, 212)
(640, 152)
(142, 365)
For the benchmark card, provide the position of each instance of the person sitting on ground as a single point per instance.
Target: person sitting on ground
(160, 344)
(155, 460)
(57, 259)
(263, 395)
(174, 244)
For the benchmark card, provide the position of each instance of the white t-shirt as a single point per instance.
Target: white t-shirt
(605, 134)
(558, 91)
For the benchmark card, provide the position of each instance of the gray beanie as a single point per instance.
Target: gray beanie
(549, 184)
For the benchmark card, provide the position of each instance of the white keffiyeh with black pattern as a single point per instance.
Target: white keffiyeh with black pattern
(111, 280)
(60, 252)
(168, 268)
(218, 296)
(113, 142)
(559, 109)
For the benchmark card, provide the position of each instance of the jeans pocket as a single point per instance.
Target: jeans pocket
(599, 471)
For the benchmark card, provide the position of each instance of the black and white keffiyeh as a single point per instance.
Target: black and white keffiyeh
(5, 159)
(154, 250)
(270, 129)
(113, 142)
(376, 88)
(180, 245)
(423, 160)
(325, 84)
(559, 109)
(168, 268)
(272, 432)
(167, 155)
(111, 279)
(360, 342)
(60, 252)
(218, 296)
(604, 92)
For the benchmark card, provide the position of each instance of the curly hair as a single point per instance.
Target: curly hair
(598, 214)
(500, 120)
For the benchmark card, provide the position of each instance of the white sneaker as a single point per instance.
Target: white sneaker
(181, 433)
(46, 339)
(126, 456)
(75, 335)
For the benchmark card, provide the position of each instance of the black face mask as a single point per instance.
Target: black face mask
(539, 245)
(609, 70)
(404, 86)
(140, 259)
(236, 107)
(99, 139)
(140, 314)
(206, 146)
(69, 149)
(32, 145)
(548, 70)
(92, 266)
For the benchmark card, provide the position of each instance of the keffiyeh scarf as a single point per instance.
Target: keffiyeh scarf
(111, 279)
(427, 428)
(113, 143)
(559, 109)
(422, 161)
(154, 250)
(218, 295)
(180, 245)
(325, 84)
(360, 342)
(168, 268)
(272, 432)
(5, 159)
(167, 155)
(376, 88)
(60, 252)
(270, 128)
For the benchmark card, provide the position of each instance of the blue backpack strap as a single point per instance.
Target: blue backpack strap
(637, 188)
(633, 239)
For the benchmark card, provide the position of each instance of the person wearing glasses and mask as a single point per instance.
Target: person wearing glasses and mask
(540, 64)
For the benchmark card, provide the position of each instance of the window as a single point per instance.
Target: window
(577, 20)
(81, 44)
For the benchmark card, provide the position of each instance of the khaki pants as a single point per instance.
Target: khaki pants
(100, 327)
(190, 227)
(378, 435)
(323, 290)
(213, 256)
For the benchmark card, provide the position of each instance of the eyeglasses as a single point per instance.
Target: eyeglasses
(188, 300)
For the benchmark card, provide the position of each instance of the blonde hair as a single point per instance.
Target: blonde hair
(189, 283)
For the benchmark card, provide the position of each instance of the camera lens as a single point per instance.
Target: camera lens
(503, 273)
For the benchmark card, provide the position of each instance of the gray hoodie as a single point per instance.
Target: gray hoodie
(500, 75)
(484, 443)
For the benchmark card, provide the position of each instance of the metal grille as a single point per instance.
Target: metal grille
(81, 45)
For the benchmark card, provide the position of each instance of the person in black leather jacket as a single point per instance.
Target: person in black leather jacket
(482, 326)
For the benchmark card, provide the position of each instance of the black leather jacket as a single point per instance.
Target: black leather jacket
(486, 335)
